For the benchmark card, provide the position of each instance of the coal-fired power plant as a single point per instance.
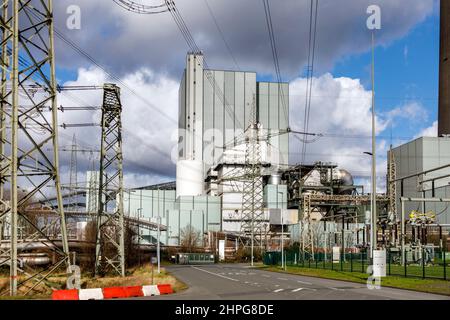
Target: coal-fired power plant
(444, 72)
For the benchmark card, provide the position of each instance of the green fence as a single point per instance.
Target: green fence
(421, 265)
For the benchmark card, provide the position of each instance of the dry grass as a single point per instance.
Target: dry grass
(135, 277)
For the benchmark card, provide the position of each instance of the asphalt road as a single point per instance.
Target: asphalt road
(239, 282)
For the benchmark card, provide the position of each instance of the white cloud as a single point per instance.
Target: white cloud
(126, 42)
(429, 132)
(406, 54)
(414, 112)
(147, 127)
(340, 109)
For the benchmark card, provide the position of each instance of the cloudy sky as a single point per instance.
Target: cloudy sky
(147, 53)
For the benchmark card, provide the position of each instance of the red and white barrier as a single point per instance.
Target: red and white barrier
(113, 292)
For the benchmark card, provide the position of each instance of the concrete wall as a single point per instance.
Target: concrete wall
(273, 114)
(275, 196)
(202, 212)
(227, 100)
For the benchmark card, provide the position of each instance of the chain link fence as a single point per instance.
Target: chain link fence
(422, 262)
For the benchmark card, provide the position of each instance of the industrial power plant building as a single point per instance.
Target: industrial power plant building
(422, 155)
(215, 109)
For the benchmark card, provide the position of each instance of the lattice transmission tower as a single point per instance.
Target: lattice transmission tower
(110, 247)
(306, 232)
(27, 173)
(253, 226)
(73, 179)
(392, 184)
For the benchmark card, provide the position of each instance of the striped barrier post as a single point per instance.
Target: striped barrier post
(113, 292)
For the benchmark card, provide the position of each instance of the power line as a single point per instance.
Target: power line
(132, 6)
(275, 55)
(230, 52)
(113, 77)
(310, 69)
(181, 24)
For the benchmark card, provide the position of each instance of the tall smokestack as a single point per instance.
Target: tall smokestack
(444, 71)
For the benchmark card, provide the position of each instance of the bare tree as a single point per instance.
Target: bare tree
(189, 238)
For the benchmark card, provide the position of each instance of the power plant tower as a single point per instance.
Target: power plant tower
(444, 71)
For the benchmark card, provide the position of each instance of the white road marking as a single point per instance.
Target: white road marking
(283, 279)
(304, 282)
(278, 290)
(336, 289)
(297, 290)
(215, 274)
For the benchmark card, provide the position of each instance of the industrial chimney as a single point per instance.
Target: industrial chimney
(444, 71)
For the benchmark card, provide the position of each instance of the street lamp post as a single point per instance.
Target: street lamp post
(139, 213)
(373, 207)
(374, 172)
(283, 265)
(158, 250)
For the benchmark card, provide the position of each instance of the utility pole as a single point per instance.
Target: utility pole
(283, 258)
(28, 86)
(373, 221)
(158, 247)
(282, 240)
(110, 236)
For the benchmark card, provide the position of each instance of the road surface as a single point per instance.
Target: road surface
(239, 282)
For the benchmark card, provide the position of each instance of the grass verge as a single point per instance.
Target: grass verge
(138, 276)
(416, 284)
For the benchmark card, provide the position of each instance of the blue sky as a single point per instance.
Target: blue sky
(407, 70)
(149, 54)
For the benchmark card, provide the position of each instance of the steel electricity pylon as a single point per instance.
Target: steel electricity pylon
(110, 246)
(28, 86)
(306, 232)
(392, 184)
(253, 220)
(73, 179)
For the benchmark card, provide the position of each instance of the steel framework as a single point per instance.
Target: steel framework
(73, 181)
(110, 247)
(307, 236)
(392, 185)
(252, 225)
(28, 86)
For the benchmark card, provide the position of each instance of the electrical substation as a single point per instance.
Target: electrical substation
(235, 184)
